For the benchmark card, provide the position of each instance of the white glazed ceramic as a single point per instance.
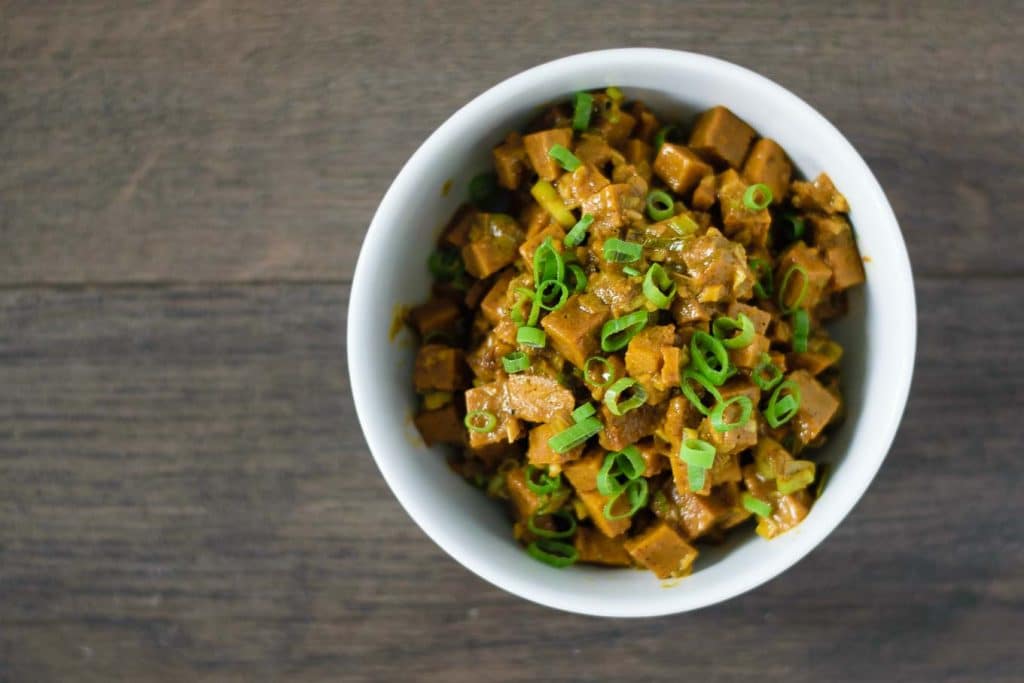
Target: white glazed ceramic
(879, 333)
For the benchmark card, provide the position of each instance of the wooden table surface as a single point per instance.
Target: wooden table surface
(185, 494)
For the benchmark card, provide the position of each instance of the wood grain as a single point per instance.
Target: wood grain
(222, 141)
(186, 496)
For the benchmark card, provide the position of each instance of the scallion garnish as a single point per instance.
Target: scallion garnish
(683, 225)
(660, 205)
(781, 408)
(690, 375)
(621, 251)
(481, 421)
(521, 295)
(661, 136)
(445, 264)
(482, 187)
(576, 435)
(579, 277)
(718, 414)
(757, 197)
(540, 482)
(564, 157)
(547, 196)
(551, 552)
(607, 372)
(796, 226)
(630, 271)
(756, 505)
(531, 336)
(565, 515)
(697, 453)
(583, 105)
(547, 263)
(766, 366)
(619, 388)
(763, 276)
(784, 288)
(619, 469)
(514, 362)
(801, 328)
(696, 476)
(549, 288)
(614, 93)
(583, 412)
(578, 232)
(637, 491)
(725, 325)
(615, 334)
(658, 287)
(709, 357)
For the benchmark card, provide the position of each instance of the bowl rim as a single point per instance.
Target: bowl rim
(360, 376)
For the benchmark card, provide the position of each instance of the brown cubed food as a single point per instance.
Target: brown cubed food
(770, 457)
(787, 510)
(679, 414)
(681, 476)
(582, 473)
(718, 267)
(673, 359)
(616, 368)
(594, 502)
(760, 317)
(439, 368)
(533, 218)
(583, 182)
(510, 161)
(655, 461)
(686, 310)
(616, 131)
(539, 144)
(749, 356)
(741, 386)
(456, 233)
(643, 355)
(525, 501)
(820, 196)
(527, 248)
(638, 152)
(441, 426)
(596, 548)
(492, 398)
(698, 514)
(573, 329)
(732, 440)
(622, 430)
(817, 406)
(705, 194)
(620, 293)
(647, 124)
(536, 398)
(495, 303)
(749, 227)
(834, 237)
(818, 275)
(541, 453)
(436, 315)
(613, 207)
(485, 359)
(822, 353)
(721, 138)
(662, 550)
(679, 168)
(594, 150)
(493, 241)
(767, 163)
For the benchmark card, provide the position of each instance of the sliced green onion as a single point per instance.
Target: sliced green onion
(724, 325)
(547, 196)
(514, 362)
(659, 288)
(758, 373)
(630, 462)
(531, 336)
(614, 93)
(781, 408)
(607, 372)
(621, 251)
(563, 156)
(481, 421)
(757, 197)
(578, 232)
(796, 230)
(630, 271)
(784, 287)
(544, 483)
(619, 469)
(692, 375)
(661, 136)
(756, 505)
(620, 387)
(549, 287)
(695, 476)
(583, 412)
(445, 264)
(583, 105)
(547, 263)
(554, 553)
(579, 277)
(576, 435)
(482, 187)
(798, 474)
(763, 274)
(683, 225)
(697, 453)
(705, 350)
(660, 205)
(718, 414)
(615, 334)
(637, 491)
(801, 328)
(545, 533)
(521, 296)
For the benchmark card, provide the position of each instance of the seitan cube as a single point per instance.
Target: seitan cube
(662, 550)
(495, 304)
(767, 163)
(820, 195)
(760, 317)
(594, 502)
(582, 473)
(456, 233)
(573, 330)
(817, 406)
(493, 398)
(596, 548)
(493, 241)
(680, 168)
(440, 368)
(613, 207)
(540, 453)
(834, 237)
(539, 144)
(622, 430)
(732, 440)
(510, 161)
(527, 248)
(536, 398)
(441, 426)
(705, 194)
(698, 514)
(436, 315)
(582, 183)
(749, 227)
(817, 279)
(721, 138)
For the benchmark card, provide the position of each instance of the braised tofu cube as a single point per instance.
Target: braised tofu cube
(534, 218)
(616, 129)
(673, 360)
(539, 144)
(749, 356)
(584, 182)
(638, 153)
(594, 150)
(820, 196)
(655, 461)
(732, 440)
(817, 278)
(596, 548)
(536, 398)
(456, 233)
(525, 502)
(529, 247)
(834, 237)
(620, 293)
(680, 414)
(436, 315)
(441, 426)
(721, 138)
(698, 514)
(510, 161)
(643, 355)
(493, 399)
(662, 550)
(770, 458)
(718, 267)
(594, 503)
(439, 368)
(681, 476)
(767, 163)
(749, 227)
(741, 386)
(647, 124)
(817, 406)
(540, 452)
(622, 430)
(613, 207)
(787, 510)
(679, 168)
(495, 303)
(582, 473)
(760, 317)
(573, 330)
(485, 359)
(493, 241)
(705, 194)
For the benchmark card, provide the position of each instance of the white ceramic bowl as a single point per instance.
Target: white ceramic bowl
(879, 333)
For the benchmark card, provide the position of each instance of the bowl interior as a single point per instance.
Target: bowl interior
(392, 271)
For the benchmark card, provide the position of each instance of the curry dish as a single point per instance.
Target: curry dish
(625, 339)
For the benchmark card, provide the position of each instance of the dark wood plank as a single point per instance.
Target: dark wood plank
(208, 141)
(186, 496)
